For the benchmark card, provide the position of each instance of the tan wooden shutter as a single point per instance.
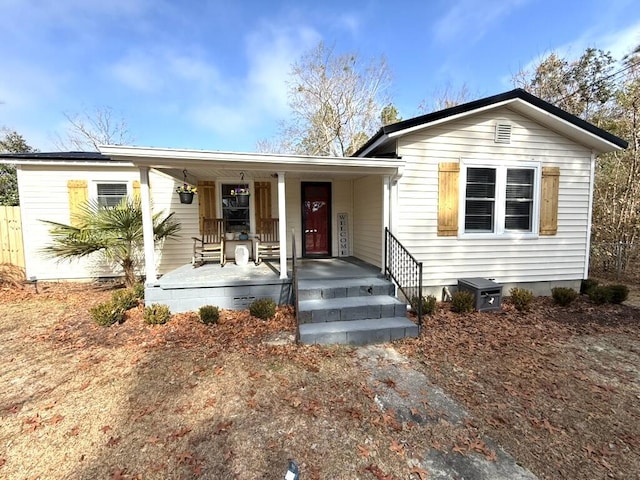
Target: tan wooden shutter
(206, 201)
(549, 202)
(136, 190)
(78, 195)
(262, 202)
(448, 180)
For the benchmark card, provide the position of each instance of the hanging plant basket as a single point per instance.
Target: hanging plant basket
(242, 199)
(186, 197)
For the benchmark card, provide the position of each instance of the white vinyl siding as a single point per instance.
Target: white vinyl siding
(508, 259)
(367, 219)
(44, 196)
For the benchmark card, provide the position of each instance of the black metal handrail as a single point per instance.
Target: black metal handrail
(294, 278)
(404, 270)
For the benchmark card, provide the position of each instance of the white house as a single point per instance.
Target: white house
(498, 188)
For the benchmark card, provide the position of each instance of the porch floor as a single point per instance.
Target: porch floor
(211, 274)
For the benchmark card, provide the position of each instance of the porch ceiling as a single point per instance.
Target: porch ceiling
(202, 164)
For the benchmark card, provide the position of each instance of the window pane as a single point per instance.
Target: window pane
(519, 184)
(110, 194)
(519, 201)
(235, 207)
(478, 216)
(480, 200)
(481, 182)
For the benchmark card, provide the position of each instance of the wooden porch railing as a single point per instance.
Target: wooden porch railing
(405, 271)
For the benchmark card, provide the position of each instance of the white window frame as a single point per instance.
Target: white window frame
(237, 181)
(501, 167)
(93, 194)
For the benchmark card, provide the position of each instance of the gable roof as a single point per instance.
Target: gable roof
(518, 100)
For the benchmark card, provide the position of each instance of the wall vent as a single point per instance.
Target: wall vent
(503, 132)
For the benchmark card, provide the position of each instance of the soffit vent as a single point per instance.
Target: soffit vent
(503, 132)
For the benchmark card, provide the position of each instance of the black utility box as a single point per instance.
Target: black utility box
(488, 293)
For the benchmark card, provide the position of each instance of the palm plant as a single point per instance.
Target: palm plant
(116, 232)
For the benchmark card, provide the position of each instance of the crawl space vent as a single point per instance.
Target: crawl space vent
(503, 132)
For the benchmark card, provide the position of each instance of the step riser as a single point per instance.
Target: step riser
(360, 312)
(359, 337)
(343, 292)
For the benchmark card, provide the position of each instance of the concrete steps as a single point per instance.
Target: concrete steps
(357, 311)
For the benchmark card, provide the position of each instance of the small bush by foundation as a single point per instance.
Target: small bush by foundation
(619, 293)
(563, 296)
(600, 295)
(521, 299)
(156, 314)
(138, 290)
(587, 285)
(209, 314)
(429, 304)
(263, 308)
(107, 313)
(463, 302)
(125, 298)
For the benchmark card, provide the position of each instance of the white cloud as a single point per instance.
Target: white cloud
(261, 96)
(471, 20)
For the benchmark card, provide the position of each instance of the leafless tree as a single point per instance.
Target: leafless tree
(87, 130)
(336, 102)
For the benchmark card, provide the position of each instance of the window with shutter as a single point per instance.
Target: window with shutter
(78, 194)
(206, 201)
(500, 199)
(448, 179)
(549, 205)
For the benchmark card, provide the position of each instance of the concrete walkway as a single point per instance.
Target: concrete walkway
(384, 362)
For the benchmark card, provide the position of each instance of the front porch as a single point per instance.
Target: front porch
(340, 300)
(235, 287)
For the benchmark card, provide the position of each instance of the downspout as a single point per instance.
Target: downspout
(147, 228)
(282, 225)
(592, 177)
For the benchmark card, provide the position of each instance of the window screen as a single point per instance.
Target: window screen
(480, 200)
(110, 194)
(519, 200)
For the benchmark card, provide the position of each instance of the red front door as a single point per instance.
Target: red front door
(316, 218)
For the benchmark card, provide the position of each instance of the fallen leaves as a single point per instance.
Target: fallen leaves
(222, 427)
(192, 401)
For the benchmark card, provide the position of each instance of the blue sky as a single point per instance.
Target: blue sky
(212, 74)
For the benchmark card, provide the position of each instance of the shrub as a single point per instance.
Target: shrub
(263, 308)
(619, 293)
(138, 290)
(521, 299)
(563, 296)
(107, 313)
(209, 314)
(463, 301)
(587, 285)
(429, 304)
(600, 295)
(125, 298)
(156, 314)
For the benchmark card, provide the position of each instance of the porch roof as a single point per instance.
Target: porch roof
(208, 163)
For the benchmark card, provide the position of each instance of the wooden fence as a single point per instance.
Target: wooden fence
(11, 249)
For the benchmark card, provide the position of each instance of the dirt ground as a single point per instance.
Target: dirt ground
(559, 388)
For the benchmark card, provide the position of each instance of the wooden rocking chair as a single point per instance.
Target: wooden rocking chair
(267, 240)
(211, 246)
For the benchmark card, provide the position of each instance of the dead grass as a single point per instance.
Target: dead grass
(557, 388)
(11, 275)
